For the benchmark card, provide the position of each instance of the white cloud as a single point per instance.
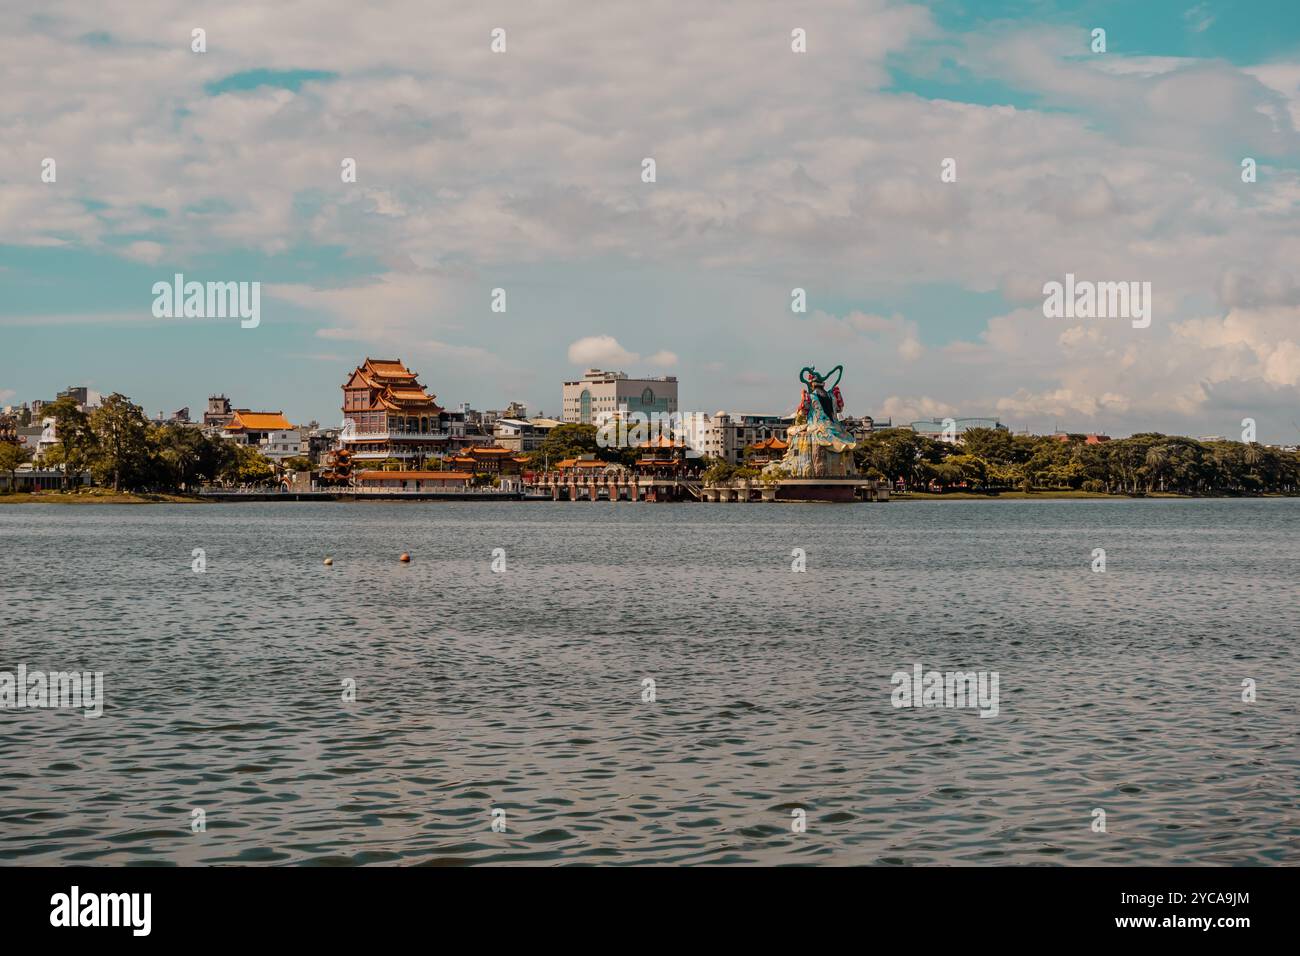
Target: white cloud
(597, 351)
(147, 252)
(1061, 402)
(875, 333)
(662, 359)
(397, 313)
(773, 167)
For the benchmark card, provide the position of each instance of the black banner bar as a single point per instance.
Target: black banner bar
(333, 905)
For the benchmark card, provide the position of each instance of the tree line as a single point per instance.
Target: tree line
(991, 459)
(124, 450)
(1149, 462)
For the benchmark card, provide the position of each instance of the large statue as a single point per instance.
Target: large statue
(819, 445)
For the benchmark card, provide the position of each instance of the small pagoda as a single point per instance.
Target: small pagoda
(662, 457)
(338, 467)
(766, 451)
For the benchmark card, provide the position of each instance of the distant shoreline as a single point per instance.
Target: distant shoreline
(1072, 495)
(132, 498)
(109, 498)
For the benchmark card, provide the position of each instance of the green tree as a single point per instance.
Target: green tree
(1005, 476)
(179, 451)
(121, 450)
(972, 469)
(12, 457)
(1157, 457)
(216, 454)
(248, 466)
(571, 441)
(996, 446)
(76, 438)
(900, 453)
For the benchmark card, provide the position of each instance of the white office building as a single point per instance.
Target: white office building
(598, 395)
(726, 435)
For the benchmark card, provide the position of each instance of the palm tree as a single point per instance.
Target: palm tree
(1157, 456)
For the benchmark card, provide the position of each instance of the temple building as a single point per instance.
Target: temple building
(487, 460)
(412, 480)
(387, 413)
(255, 428)
(663, 457)
(586, 466)
(766, 451)
(337, 468)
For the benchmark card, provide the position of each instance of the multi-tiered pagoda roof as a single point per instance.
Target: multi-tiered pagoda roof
(392, 387)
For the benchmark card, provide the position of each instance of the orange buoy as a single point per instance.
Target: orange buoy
(405, 558)
(329, 562)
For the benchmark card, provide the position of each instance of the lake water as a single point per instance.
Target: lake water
(522, 691)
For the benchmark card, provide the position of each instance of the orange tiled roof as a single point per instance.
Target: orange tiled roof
(580, 463)
(413, 476)
(387, 368)
(396, 387)
(489, 451)
(663, 441)
(245, 420)
(771, 444)
(393, 403)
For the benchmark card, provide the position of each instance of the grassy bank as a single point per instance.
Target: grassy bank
(94, 496)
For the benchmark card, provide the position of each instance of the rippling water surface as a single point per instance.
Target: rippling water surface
(523, 690)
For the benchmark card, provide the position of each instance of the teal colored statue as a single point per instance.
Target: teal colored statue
(819, 445)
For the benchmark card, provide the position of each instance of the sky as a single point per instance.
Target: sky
(774, 170)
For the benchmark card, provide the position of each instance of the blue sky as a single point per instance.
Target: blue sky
(776, 170)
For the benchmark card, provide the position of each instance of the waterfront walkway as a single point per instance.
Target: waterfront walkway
(353, 494)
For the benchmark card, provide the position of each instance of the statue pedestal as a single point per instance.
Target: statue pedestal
(820, 489)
